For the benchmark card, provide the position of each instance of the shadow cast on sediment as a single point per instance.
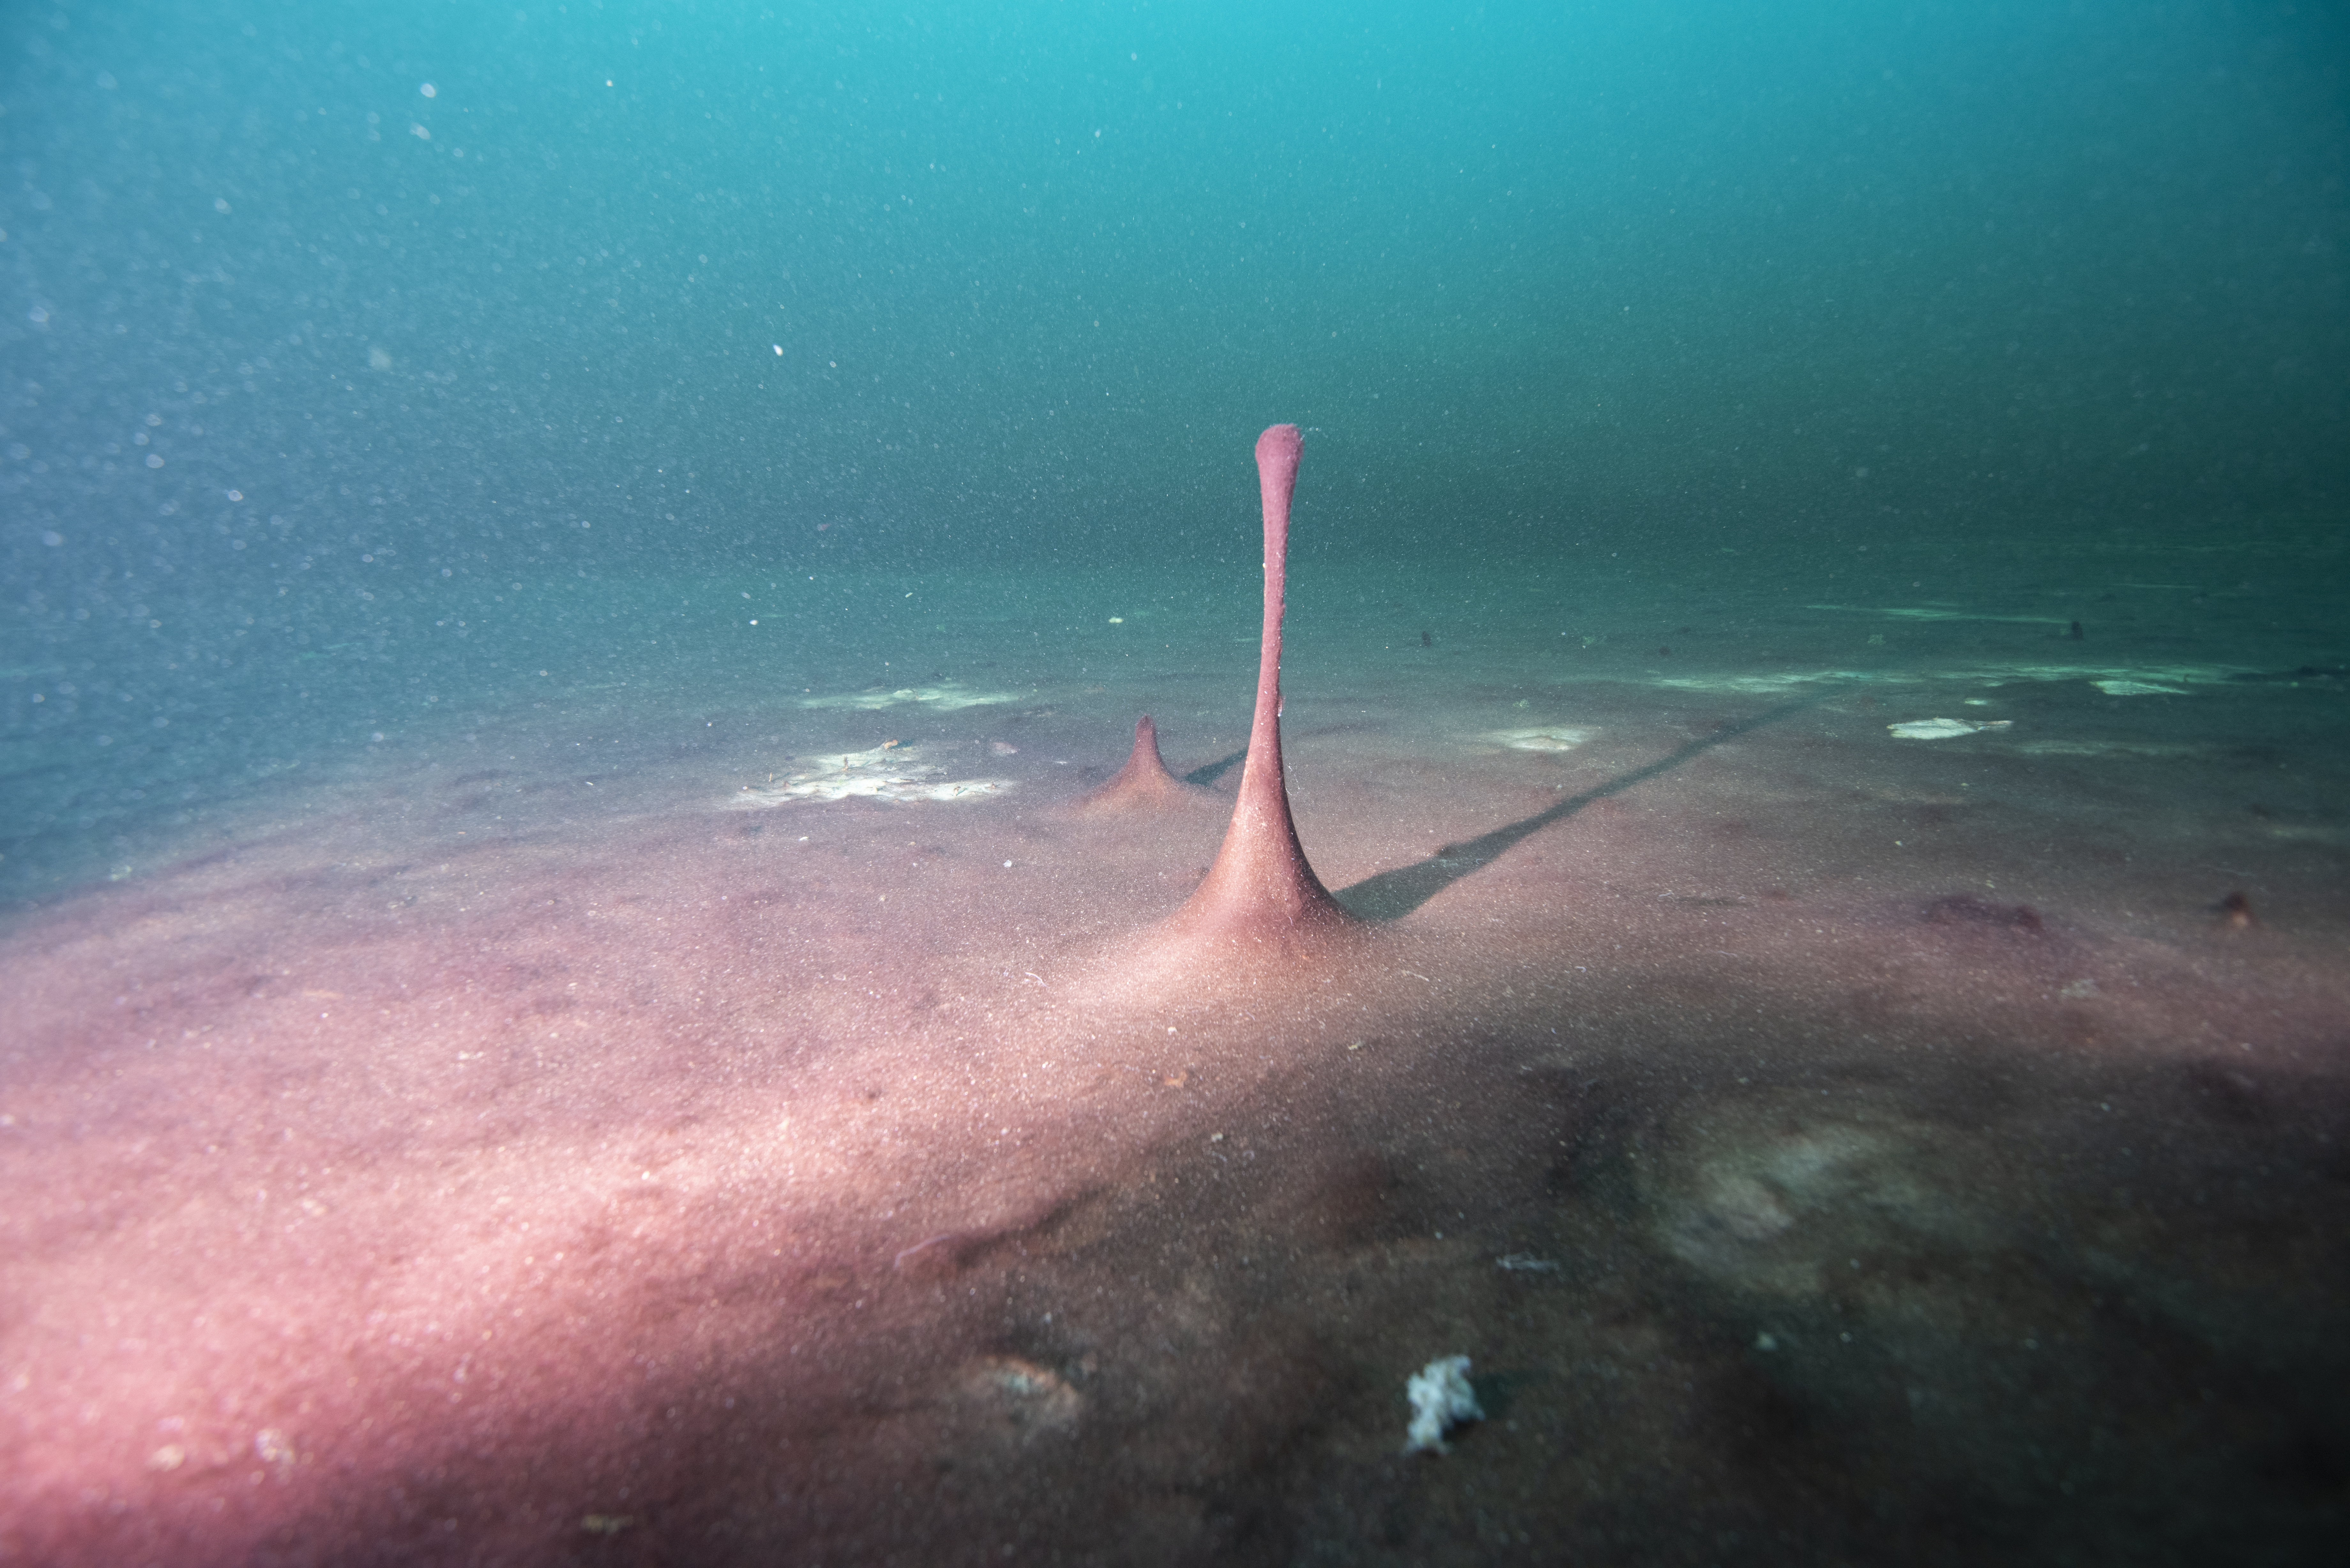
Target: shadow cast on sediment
(1391, 895)
(1206, 776)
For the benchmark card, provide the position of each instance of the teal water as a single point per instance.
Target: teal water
(307, 304)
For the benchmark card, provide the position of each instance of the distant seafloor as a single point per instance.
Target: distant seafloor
(132, 738)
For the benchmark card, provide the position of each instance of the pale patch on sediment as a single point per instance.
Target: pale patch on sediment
(888, 771)
(1778, 1196)
(1014, 1401)
(1550, 738)
(1942, 729)
(945, 699)
(1757, 685)
(2171, 679)
(2130, 749)
(1937, 612)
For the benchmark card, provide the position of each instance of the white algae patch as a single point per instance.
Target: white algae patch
(888, 772)
(944, 699)
(1942, 729)
(1441, 1399)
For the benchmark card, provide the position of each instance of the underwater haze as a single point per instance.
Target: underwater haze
(570, 574)
(327, 324)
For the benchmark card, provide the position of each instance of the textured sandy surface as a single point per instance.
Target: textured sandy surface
(464, 1161)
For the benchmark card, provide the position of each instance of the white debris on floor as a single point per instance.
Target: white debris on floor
(1526, 1263)
(1441, 1399)
(888, 771)
(1553, 738)
(1942, 729)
